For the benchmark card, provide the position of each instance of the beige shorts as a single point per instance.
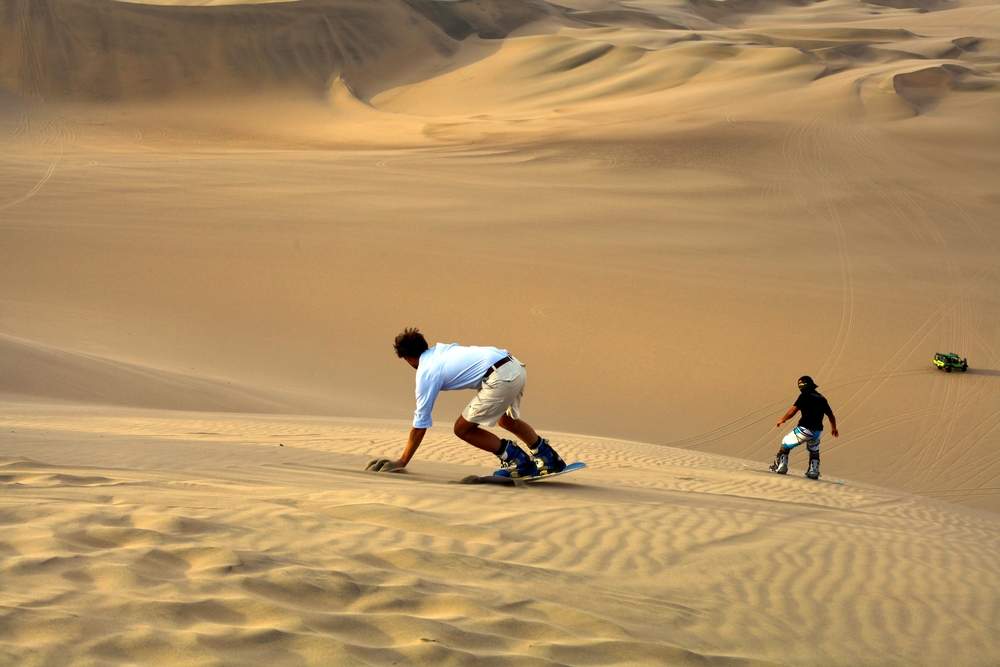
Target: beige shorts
(499, 395)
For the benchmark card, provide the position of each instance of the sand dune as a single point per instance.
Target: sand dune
(293, 288)
(215, 216)
(123, 50)
(196, 537)
(296, 49)
(39, 372)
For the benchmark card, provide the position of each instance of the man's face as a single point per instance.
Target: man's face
(413, 361)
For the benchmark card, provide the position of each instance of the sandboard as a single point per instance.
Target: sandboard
(508, 481)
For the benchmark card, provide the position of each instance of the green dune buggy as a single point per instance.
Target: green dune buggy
(949, 361)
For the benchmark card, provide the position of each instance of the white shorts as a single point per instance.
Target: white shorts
(500, 394)
(802, 436)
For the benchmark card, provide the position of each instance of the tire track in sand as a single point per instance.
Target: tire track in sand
(37, 187)
(31, 73)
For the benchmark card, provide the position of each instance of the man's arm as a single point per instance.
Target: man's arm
(427, 389)
(412, 443)
(788, 415)
(833, 421)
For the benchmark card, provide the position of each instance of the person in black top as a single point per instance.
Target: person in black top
(813, 406)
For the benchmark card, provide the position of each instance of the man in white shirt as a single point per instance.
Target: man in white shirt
(499, 380)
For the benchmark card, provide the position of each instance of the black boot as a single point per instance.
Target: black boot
(780, 464)
(514, 462)
(546, 458)
(813, 471)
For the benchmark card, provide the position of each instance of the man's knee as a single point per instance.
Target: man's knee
(790, 441)
(463, 427)
(506, 421)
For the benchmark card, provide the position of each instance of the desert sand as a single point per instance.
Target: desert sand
(215, 217)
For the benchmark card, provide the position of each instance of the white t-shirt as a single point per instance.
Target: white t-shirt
(447, 366)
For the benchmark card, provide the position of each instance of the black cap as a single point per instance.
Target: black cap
(806, 382)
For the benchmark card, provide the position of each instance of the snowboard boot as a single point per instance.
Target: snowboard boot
(514, 462)
(813, 471)
(546, 458)
(780, 464)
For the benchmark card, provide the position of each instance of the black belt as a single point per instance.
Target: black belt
(496, 366)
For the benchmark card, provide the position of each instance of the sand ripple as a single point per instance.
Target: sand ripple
(652, 556)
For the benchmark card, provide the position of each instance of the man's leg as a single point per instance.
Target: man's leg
(788, 443)
(546, 459)
(813, 447)
(495, 398)
(780, 464)
(474, 435)
(514, 462)
(520, 428)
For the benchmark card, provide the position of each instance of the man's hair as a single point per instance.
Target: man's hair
(410, 343)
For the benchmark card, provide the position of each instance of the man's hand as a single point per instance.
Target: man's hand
(780, 422)
(835, 432)
(399, 465)
(385, 465)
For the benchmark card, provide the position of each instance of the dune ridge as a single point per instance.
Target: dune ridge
(464, 60)
(222, 49)
(34, 371)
